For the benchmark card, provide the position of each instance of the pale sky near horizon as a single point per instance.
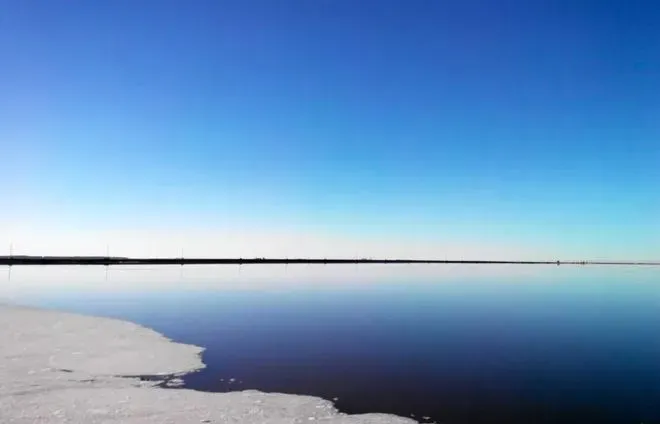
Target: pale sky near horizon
(450, 129)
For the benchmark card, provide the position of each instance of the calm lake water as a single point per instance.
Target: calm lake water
(484, 344)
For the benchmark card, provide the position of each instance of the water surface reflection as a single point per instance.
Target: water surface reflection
(460, 345)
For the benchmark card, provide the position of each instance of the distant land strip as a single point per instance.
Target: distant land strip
(115, 260)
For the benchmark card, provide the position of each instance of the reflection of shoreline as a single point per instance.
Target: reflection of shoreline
(105, 260)
(61, 367)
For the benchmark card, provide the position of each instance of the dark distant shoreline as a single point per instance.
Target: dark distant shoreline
(114, 260)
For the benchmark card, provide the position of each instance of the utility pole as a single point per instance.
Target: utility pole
(181, 267)
(11, 256)
(107, 262)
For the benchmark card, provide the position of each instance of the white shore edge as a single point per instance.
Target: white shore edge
(60, 367)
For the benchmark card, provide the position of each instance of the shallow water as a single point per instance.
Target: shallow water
(484, 344)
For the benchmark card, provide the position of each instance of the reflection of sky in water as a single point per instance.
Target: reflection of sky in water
(552, 343)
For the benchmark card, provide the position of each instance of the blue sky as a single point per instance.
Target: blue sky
(531, 127)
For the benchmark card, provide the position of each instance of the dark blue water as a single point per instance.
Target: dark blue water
(581, 348)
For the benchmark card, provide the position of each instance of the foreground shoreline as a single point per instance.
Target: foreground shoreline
(62, 367)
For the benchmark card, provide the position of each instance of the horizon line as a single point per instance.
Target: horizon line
(121, 260)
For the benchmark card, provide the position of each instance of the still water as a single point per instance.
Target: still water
(484, 344)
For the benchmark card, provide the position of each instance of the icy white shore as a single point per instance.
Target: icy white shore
(57, 367)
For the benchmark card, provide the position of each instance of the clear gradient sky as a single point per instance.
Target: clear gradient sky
(510, 128)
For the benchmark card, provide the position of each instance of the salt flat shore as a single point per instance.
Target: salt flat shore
(58, 367)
